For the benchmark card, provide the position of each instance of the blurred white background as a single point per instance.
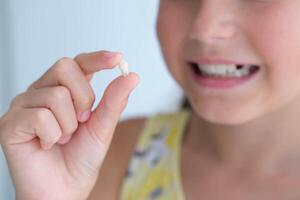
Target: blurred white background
(36, 33)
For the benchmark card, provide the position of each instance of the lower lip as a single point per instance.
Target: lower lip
(221, 82)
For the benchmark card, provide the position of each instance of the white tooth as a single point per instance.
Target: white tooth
(245, 71)
(232, 68)
(212, 69)
(123, 66)
(238, 73)
(229, 70)
(224, 70)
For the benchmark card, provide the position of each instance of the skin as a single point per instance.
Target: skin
(53, 142)
(250, 152)
(251, 129)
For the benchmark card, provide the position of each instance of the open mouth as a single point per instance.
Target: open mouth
(223, 75)
(224, 71)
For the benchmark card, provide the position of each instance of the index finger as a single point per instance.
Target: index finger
(96, 61)
(87, 63)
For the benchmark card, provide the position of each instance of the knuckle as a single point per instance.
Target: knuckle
(63, 65)
(43, 115)
(88, 99)
(79, 56)
(64, 61)
(60, 93)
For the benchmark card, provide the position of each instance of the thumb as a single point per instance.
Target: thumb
(106, 116)
(91, 142)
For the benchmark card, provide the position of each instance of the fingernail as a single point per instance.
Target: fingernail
(64, 139)
(85, 115)
(110, 55)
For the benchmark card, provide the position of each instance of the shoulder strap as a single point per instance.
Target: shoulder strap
(153, 169)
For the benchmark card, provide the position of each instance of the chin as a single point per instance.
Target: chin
(226, 117)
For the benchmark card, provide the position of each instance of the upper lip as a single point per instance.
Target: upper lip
(216, 61)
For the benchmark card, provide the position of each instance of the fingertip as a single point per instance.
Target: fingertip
(130, 75)
(119, 55)
(84, 116)
(134, 77)
(112, 59)
(131, 81)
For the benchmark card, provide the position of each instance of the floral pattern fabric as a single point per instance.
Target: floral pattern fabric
(154, 169)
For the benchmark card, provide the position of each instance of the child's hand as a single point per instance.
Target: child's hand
(50, 154)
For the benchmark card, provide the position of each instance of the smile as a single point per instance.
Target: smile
(222, 70)
(223, 75)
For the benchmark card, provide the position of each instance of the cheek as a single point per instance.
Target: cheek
(276, 37)
(172, 26)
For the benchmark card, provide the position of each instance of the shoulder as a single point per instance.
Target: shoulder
(117, 159)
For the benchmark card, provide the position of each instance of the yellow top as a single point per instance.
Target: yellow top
(154, 169)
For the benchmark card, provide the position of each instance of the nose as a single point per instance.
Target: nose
(213, 21)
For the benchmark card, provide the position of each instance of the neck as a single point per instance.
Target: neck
(271, 143)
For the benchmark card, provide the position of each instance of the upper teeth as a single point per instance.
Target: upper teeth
(224, 70)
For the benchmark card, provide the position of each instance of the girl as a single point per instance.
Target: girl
(238, 64)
